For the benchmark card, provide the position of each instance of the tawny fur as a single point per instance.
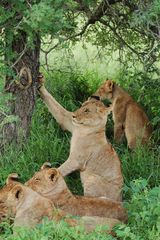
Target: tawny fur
(90, 152)
(129, 118)
(50, 184)
(29, 208)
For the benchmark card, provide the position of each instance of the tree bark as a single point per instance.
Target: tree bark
(23, 92)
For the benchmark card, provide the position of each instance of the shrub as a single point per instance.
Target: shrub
(144, 212)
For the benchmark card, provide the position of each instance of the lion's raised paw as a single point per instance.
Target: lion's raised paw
(41, 80)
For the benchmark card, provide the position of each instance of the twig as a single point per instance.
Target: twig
(28, 3)
(119, 37)
(2, 112)
(20, 56)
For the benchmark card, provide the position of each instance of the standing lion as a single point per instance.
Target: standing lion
(90, 152)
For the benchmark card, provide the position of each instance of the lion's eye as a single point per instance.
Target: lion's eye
(86, 110)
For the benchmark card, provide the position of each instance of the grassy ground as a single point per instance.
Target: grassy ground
(49, 143)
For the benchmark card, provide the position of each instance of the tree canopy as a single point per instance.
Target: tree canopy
(113, 24)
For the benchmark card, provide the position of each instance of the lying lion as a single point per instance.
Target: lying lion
(90, 152)
(50, 184)
(29, 208)
(128, 116)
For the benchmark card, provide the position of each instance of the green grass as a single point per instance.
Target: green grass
(47, 142)
(51, 230)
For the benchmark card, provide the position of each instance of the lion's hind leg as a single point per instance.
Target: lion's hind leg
(91, 222)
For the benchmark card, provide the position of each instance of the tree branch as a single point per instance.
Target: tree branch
(92, 18)
(119, 37)
(101, 10)
(83, 7)
(20, 56)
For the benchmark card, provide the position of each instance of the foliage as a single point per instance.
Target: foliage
(131, 27)
(51, 230)
(144, 212)
(148, 13)
(32, 18)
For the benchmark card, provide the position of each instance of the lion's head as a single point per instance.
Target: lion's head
(28, 206)
(106, 90)
(92, 113)
(11, 181)
(48, 181)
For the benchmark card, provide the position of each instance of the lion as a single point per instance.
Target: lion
(29, 208)
(49, 183)
(90, 151)
(129, 118)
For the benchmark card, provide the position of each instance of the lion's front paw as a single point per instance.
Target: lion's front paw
(41, 80)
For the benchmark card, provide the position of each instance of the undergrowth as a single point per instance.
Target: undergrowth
(48, 142)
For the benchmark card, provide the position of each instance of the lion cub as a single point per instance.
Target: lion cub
(50, 184)
(128, 116)
(90, 152)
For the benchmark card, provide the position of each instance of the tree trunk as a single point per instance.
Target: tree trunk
(23, 92)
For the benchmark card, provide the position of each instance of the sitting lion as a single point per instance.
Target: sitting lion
(29, 208)
(50, 184)
(128, 116)
(90, 152)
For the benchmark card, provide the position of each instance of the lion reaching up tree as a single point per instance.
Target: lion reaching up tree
(90, 152)
(129, 118)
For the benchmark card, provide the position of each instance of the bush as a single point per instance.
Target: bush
(58, 231)
(143, 211)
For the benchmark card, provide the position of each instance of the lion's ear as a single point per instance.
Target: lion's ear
(17, 192)
(53, 174)
(12, 177)
(46, 165)
(110, 84)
